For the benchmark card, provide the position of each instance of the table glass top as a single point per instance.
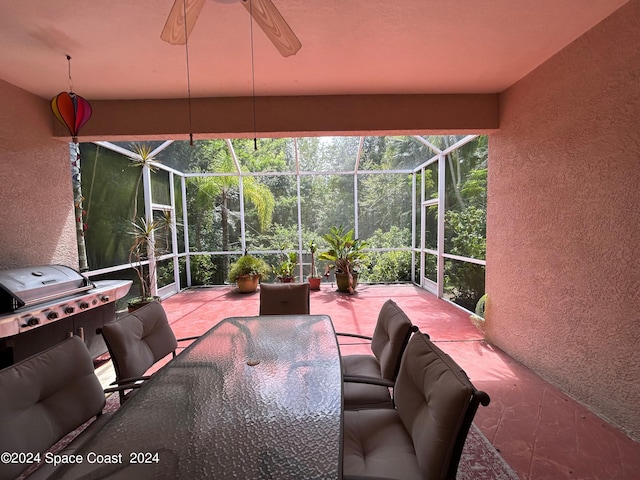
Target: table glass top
(255, 397)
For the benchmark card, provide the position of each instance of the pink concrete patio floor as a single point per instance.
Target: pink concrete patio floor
(541, 432)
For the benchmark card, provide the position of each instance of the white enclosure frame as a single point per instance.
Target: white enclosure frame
(438, 157)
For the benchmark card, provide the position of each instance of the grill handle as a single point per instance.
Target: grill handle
(67, 293)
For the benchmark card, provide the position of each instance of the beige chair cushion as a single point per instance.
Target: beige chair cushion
(432, 395)
(362, 395)
(417, 439)
(377, 444)
(365, 365)
(46, 470)
(390, 338)
(284, 299)
(44, 397)
(138, 340)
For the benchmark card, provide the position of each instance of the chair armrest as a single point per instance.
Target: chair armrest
(122, 387)
(354, 335)
(131, 380)
(483, 398)
(370, 380)
(186, 339)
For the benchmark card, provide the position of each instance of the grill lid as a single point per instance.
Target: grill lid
(20, 287)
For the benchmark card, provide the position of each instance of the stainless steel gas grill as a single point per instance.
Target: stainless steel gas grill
(42, 305)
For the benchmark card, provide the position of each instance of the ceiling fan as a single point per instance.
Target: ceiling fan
(264, 12)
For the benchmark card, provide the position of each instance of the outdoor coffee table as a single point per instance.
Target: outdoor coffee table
(254, 397)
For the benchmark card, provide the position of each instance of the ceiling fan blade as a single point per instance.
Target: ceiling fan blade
(267, 16)
(174, 29)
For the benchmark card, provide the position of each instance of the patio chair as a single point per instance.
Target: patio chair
(284, 299)
(45, 397)
(423, 436)
(392, 332)
(136, 342)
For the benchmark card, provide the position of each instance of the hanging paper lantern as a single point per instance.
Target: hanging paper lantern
(72, 111)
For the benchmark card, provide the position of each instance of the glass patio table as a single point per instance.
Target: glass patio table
(253, 398)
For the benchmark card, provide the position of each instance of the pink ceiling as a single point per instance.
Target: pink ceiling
(348, 47)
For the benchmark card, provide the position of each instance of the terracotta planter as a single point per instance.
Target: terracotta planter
(314, 282)
(342, 280)
(248, 283)
(286, 279)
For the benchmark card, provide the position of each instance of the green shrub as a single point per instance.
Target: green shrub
(465, 236)
(202, 270)
(389, 266)
(248, 265)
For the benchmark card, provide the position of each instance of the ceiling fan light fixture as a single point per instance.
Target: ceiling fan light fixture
(183, 15)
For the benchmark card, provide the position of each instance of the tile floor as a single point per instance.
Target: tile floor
(541, 432)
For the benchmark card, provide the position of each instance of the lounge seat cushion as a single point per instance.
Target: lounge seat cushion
(362, 395)
(390, 337)
(377, 444)
(416, 439)
(139, 339)
(432, 395)
(46, 396)
(284, 299)
(365, 365)
(47, 469)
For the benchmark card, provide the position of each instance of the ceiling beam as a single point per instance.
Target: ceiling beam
(289, 116)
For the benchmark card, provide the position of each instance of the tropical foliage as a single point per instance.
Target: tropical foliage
(466, 222)
(391, 266)
(345, 254)
(286, 268)
(241, 198)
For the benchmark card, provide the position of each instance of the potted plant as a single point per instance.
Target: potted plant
(345, 255)
(147, 235)
(314, 279)
(144, 247)
(285, 270)
(247, 271)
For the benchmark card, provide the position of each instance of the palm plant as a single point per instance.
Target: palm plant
(215, 192)
(144, 158)
(345, 255)
(148, 245)
(142, 249)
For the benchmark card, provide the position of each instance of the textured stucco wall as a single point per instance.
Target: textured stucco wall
(563, 233)
(37, 224)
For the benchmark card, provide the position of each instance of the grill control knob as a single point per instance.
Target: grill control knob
(104, 298)
(52, 315)
(69, 310)
(83, 305)
(33, 321)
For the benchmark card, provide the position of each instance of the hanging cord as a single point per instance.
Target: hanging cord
(70, 81)
(186, 50)
(253, 77)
